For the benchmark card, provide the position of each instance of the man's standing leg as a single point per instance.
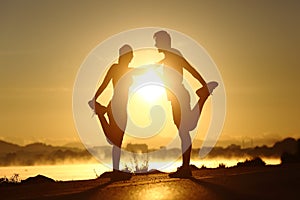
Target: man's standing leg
(185, 138)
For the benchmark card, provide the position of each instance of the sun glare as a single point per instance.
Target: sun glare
(149, 86)
(151, 93)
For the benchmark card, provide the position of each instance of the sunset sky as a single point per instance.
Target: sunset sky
(255, 45)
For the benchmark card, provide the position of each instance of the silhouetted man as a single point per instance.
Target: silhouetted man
(184, 117)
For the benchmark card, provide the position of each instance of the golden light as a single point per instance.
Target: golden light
(147, 90)
(151, 93)
(149, 86)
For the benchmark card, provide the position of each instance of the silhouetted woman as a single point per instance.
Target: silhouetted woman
(117, 107)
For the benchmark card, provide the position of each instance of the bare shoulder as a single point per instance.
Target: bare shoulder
(112, 68)
(177, 52)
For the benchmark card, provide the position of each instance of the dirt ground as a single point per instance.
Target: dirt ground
(270, 182)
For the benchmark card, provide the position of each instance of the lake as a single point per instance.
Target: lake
(92, 170)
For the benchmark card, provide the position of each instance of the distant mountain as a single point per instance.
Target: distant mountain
(38, 147)
(39, 153)
(6, 147)
(77, 145)
(287, 145)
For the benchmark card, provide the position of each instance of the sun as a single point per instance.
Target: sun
(149, 86)
(151, 93)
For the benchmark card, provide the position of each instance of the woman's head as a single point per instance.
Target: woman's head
(125, 53)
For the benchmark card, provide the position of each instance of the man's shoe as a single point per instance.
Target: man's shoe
(202, 92)
(182, 172)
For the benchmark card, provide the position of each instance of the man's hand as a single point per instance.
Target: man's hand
(203, 92)
(207, 89)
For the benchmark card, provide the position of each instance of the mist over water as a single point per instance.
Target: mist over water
(61, 163)
(65, 172)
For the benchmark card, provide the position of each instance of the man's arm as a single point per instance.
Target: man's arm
(194, 73)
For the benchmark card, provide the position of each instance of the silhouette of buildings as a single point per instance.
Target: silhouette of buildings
(137, 148)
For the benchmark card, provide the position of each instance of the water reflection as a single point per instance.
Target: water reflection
(91, 171)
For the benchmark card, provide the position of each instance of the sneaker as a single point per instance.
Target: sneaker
(97, 107)
(182, 172)
(92, 104)
(118, 175)
(202, 92)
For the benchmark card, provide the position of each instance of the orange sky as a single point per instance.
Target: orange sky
(255, 44)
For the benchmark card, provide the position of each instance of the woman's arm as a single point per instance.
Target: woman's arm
(104, 84)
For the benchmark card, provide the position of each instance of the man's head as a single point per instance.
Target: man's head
(125, 53)
(162, 40)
